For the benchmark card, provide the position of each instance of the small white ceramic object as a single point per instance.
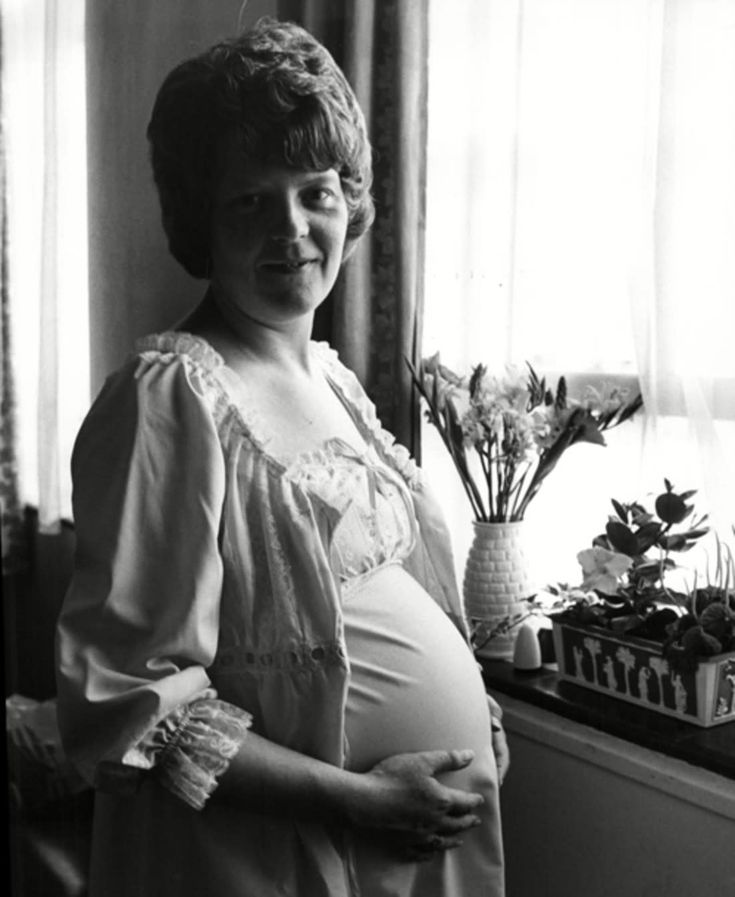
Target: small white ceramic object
(527, 651)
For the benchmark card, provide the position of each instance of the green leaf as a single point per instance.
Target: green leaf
(620, 510)
(583, 428)
(697, 533)
(675, 542)
(561, 394)
(435, 393)
(475, 378)
(671, 508)
(630, 409)
(647, 536)
(653, 568)
(622, 538)
(536, 388)
(454, 427)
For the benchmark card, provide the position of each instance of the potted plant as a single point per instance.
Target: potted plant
(505, 434)
(628, 633)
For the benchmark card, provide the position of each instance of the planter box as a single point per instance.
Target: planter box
(633, 670)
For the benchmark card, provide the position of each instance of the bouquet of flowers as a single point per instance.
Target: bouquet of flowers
(517, 427)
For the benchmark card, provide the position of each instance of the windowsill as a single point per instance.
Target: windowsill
(712, 749)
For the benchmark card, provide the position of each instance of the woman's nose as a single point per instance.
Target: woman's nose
(290, 221)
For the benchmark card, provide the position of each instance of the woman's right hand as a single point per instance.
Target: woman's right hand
(399, 802)
(402, 797)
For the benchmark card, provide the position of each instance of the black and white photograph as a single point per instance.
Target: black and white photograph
(367, 447)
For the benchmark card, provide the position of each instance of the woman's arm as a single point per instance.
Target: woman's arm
(400, 796)
(139, 625)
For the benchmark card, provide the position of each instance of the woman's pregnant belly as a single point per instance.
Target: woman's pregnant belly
(415, 685)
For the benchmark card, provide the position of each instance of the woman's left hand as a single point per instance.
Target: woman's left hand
(500, 749)
(500, 744)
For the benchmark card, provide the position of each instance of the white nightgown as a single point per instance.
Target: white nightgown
(217, 587)
(414, 683)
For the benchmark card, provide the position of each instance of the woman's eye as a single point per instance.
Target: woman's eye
(248, 202)
(320, 195)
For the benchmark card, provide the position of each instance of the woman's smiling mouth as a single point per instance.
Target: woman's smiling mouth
(285, 266)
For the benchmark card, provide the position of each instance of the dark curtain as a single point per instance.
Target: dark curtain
(373, 316)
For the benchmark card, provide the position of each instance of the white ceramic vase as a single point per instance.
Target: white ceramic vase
(496, 583)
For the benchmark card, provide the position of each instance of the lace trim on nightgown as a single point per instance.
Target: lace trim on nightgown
(396, 455)
(192, 747)
(376, 525)
(215, 374)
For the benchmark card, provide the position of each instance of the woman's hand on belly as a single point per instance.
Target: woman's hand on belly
(401, 797)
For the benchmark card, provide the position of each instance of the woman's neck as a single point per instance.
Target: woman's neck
(230, 331)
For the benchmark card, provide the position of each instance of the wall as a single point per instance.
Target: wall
(135, 286)
(31, 602)
(589, 815)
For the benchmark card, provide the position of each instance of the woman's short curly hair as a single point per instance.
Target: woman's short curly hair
(280, 94)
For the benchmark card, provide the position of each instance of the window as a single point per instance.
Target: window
(580, 216)
(44, 126)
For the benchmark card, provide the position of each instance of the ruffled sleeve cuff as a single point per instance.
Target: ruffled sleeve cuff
(199, 749)
(187, 752)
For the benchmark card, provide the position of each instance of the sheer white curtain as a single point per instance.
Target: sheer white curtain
(581, 217)
(683, 265)
(44, 120)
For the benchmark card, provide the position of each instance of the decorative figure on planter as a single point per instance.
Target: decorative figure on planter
(625, 656)
(731, 680)
(594, 648)
(578, 655)
(680, 694)
(610, 678)
(725, 690)
(661, 668)
(644, 674)
(508, 433)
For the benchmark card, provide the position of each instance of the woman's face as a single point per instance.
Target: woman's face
(278, 238)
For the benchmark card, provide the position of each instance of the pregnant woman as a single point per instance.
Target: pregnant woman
(262, 659)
